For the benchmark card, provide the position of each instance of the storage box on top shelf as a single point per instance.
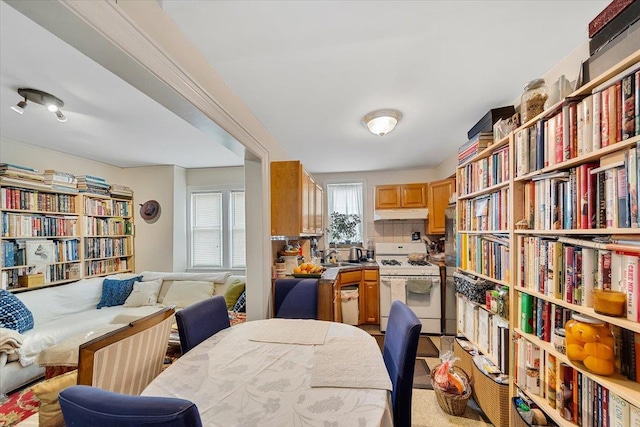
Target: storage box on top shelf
(615, 27)
(485, 124)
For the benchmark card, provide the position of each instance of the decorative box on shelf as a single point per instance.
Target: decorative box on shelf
(31, 280)
(485, 124)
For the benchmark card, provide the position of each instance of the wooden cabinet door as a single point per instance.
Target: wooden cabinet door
(388, 197)
(306, 198)
(439, 193)
(414, 196)
(286, 198)
(319, 216)
(371, 295)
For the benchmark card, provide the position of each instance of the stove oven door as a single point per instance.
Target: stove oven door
(423, 298)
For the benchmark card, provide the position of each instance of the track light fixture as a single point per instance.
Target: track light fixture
(53, 103)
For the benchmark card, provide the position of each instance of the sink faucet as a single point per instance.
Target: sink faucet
(331, 252)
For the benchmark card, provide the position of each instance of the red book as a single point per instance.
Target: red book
(628, 107)
(619, 111)
(604, 117)
(558, 137)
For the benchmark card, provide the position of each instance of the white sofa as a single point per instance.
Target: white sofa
(64, 311)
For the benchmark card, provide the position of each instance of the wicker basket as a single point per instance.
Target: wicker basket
(452, 404)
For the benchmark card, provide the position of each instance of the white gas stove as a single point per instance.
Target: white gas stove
(416, 284)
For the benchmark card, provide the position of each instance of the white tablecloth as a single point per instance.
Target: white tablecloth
(238, 382)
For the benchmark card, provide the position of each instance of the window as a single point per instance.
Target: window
(217, 229)
(346, 198)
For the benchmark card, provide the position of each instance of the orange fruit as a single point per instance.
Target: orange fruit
(297, 270)
(303, 266)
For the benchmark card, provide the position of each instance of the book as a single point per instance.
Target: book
(596, 100)
(634, 416)
(632, 281)
(589, 274)
(628, 101)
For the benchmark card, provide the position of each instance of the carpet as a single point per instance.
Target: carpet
(20, 405)
(422, 375)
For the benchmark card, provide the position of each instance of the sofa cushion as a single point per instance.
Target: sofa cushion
(144, 293)
(49, 412)
(185, 292)
(13, 313)
(233, 292)
(241, 304)
(115, 292)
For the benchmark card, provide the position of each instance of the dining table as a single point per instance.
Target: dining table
(283, 372)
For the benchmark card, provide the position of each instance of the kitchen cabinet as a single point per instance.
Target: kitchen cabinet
(319, 209)
(345, 278)
(439, 194)
(401, 196)
(370, 300)
(293, 200)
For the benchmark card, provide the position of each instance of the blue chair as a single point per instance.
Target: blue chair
(89, 406)
(399, 354)
(295, 298)
(201, 320)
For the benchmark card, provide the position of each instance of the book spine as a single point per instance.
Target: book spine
(559, 136)
(572, 126)
(634, 416)
(540, 144)
(631, 281)
(628, 107)
(637, 98)
(605, 111)
(613, 114)
(596, 100)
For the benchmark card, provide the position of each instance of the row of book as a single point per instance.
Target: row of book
(484, 173)
(107, 266)
(112, 226)
(102, 207)
(575, 396)
(474, 146)
(570, 269)
(30, 200)
(10, 279)
(22, 225)
(488, 255)
(100, 247)
(607, 116)
(62, 272)
(589, 196)
(488, 330)
(59, 181)
(543, 318)
(15, 255)
(486, 212)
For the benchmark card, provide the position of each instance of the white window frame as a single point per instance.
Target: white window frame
(364, 218)
(226, 191)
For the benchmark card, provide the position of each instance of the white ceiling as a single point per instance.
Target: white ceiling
(309, 71)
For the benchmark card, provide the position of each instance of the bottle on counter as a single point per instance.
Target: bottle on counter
(370, 250)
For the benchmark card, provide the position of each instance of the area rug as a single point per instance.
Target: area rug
(20, 405)
(426, 347)
(422, 375)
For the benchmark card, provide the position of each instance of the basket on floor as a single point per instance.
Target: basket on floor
(452, 404)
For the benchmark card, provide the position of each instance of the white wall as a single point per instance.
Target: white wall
(219, 176)
(20, 153)
(179, 219)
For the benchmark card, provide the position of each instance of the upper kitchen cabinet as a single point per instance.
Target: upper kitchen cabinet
(439, 194)
(294, 201)
(401, 196)
(319, 209)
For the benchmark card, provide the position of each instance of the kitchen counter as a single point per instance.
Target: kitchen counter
(331, 273)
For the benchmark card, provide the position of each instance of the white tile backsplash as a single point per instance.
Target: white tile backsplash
(394, 231)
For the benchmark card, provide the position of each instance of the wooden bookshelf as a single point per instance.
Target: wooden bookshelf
(622, 238)
(34, 212)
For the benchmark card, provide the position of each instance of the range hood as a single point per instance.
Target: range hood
(391, 214)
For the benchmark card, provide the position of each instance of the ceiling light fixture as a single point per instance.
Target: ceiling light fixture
(381, 122)
(53, 103)
(19, 108)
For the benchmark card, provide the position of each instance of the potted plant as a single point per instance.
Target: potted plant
(343, 227)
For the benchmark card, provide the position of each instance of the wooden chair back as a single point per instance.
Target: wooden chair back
(128, 359)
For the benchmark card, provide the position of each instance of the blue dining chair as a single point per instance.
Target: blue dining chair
(399, 354)
(296, 298)
(199, 321)
(84, 406)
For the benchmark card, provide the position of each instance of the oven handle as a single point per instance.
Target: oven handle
(388, 278)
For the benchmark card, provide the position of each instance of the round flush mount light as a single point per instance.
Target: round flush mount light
(51, 102)
(381, 122)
